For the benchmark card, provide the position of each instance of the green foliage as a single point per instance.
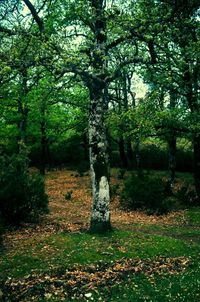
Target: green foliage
(22, 194)
(121, 173)
(146, 193)
(114, 189)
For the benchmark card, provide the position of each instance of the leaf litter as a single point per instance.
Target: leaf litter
(80, 280)
(73, 216)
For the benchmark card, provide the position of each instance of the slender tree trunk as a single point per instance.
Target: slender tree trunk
(99, 166)
(85, 146)
(122, 152)
(43, 147)
(100, 218)
(129, 153)
(137, 154)
(172, 160)
(22, 124)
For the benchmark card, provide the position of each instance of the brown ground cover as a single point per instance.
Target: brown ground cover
(73, 214)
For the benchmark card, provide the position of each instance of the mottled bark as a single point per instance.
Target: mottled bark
(100, 216)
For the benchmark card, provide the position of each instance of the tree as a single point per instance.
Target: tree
(79, 40)
(94, 72)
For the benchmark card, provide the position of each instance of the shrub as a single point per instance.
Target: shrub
(147, 193)
(114, 189)
(187, 195)
(22, 194)
(121, 173)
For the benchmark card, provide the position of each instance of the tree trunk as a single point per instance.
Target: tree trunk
(129, 153)
(172, 160)
(43, 147)
(137, 154)
(85, 146)
(122, 152)
(100, 217)
(22, 124)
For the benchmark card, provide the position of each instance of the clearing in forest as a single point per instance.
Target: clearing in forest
(145, 258)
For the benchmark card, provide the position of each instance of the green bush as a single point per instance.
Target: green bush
(187, 195)
(146, 193)
(22, 194)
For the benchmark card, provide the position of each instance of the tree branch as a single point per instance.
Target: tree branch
(35, 15)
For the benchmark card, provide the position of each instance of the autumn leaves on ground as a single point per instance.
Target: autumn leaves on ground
(144, 258)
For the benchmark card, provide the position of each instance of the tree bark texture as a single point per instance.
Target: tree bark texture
(100, 218)
(99, 166)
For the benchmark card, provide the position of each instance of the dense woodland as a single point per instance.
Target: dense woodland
(96, 86)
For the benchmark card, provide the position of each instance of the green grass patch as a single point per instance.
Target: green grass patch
(61, 251)
(193, 216)
(68, 249)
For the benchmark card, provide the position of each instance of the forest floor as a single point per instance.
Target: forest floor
(144, 258)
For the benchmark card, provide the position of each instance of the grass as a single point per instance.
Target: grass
(66, 250)
(56, 251)
(193, 216)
